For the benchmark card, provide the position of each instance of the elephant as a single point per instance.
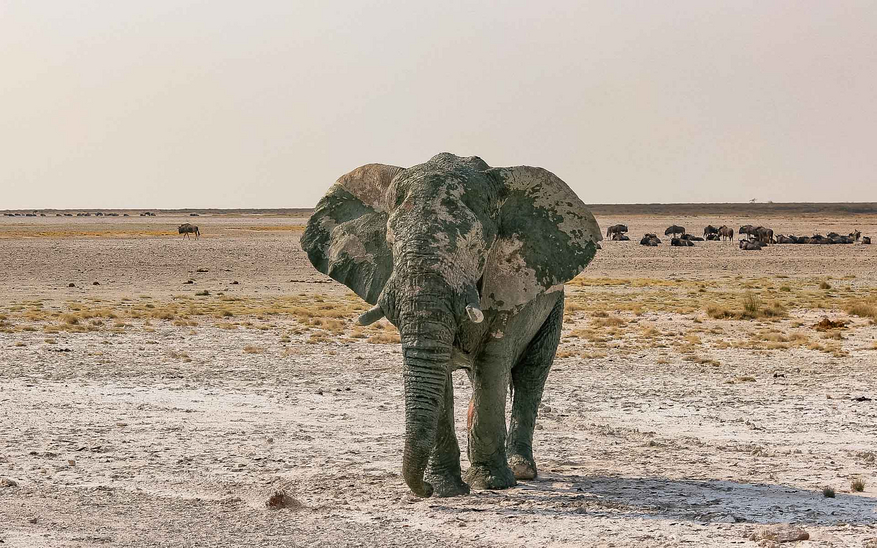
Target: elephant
(674, 230)
(615, 229)
(469, 262)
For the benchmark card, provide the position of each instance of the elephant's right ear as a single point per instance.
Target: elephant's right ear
(346, 238)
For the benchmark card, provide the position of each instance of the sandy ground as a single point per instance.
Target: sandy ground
(139, 413)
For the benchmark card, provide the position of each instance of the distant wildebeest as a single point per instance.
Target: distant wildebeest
(710, 230)
(750, 245)
(615, 229)
(726, 232)
(760, 233)
(856, 235)
(674, 230)
(650, 240)
(679, 242)
(691, 238)
(866, 240)
(786, 239)
(185, 229)
(194, 215)
(618, 237)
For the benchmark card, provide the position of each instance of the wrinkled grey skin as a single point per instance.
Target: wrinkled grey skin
(469, 262)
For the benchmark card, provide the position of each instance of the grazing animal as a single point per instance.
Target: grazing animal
(469, 262)
(710, 230)
(185, 229)
(620, 237)
(679, 242)
(650, 240)
(746, 229)
(615, 229)
(674, 230)
(763, 235)
(750, 245)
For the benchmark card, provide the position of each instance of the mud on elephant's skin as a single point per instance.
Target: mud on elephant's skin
(469, 262)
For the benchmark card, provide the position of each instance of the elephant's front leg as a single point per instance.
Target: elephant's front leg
(487, 428)
(443, 471)
(528, 380)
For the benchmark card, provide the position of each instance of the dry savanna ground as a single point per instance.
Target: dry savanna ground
(218, 393)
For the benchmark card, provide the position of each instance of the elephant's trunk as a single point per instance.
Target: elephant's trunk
(427, 329)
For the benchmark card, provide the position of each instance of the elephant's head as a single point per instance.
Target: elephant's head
(440, 246)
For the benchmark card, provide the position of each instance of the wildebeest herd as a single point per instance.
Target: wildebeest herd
(757, 237)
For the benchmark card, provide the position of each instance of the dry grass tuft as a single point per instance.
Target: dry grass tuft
(753, 309)
(250, 349)
(858, 485)
(385, 338)
(863, 310)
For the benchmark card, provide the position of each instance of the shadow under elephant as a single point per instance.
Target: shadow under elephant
(700, 501)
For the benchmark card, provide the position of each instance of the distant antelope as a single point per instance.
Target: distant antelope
(186, 229)
(674, 230)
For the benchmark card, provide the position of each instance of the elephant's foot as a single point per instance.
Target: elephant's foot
(484, 477)
(523, 467)
(448, 484)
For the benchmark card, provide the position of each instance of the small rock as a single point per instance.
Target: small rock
(235, 282)
(6, 482)
(781, 532)
(202, 270)
(32, 520)
(71, 462)
(71, 284)
(95, 283)
(270, 440)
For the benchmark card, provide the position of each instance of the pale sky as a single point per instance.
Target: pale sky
(159, 104)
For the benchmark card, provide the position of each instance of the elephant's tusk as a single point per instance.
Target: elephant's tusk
(475, 315)
(370, 317)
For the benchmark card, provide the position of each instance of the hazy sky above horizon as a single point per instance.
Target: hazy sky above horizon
(166, 104)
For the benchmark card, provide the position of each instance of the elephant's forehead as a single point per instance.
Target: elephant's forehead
(369, 184)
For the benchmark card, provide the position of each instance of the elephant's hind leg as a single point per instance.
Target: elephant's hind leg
(443, 471)
(528, 382)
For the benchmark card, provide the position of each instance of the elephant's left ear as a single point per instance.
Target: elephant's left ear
(546, 236)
